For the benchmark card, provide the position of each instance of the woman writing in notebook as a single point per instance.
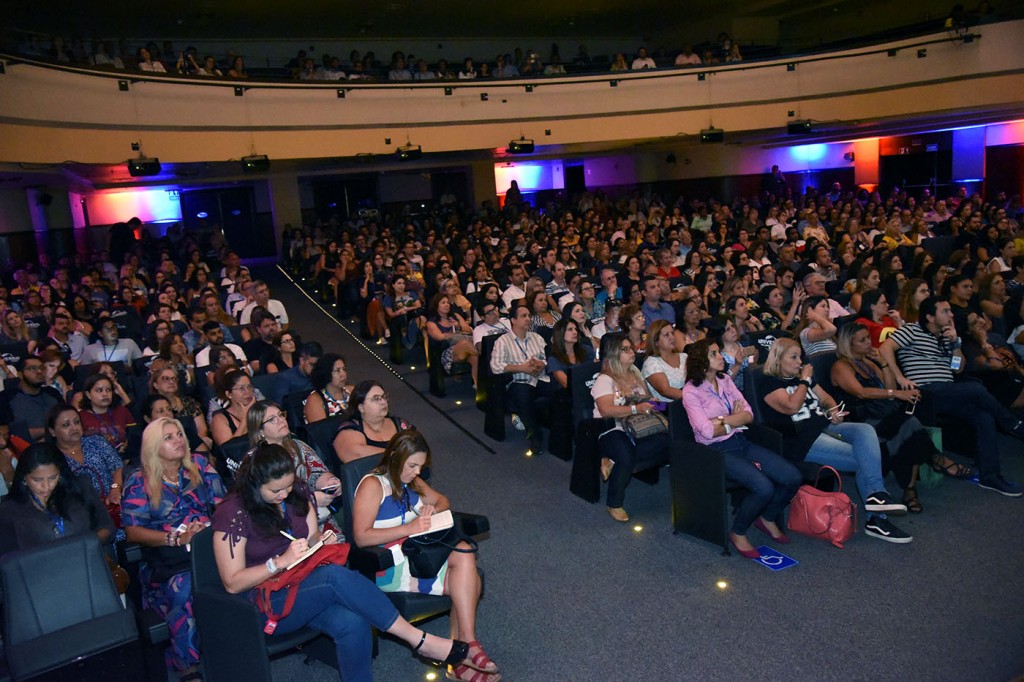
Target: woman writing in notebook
(267, 523)
(391, 503)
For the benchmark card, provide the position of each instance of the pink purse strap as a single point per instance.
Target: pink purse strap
(838, 477)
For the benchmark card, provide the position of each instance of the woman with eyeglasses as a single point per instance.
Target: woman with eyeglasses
(368, 425)
(285, 353)
(331, 390)
(236, 393)
(446, 325)
(164, 381)
(267, 423)
(619, 392)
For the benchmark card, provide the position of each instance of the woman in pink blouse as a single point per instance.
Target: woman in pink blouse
(718, 414)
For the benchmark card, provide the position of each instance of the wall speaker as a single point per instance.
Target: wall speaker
(409, 152)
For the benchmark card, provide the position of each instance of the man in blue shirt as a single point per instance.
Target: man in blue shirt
(653, 307)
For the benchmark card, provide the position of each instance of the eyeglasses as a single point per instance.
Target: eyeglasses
(245, 388)
(382, 398)
(627, 349)
(488, 311)
(279, 417)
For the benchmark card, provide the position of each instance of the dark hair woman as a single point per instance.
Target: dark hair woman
(47, 501)
(331, 390)
(716, 409)
(249, 547)
(368, 425)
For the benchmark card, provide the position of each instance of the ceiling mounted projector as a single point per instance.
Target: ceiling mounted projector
(710, 135)
(799, 128)
(409, 152)
(257, 163)
(143, 166)
(520, 146)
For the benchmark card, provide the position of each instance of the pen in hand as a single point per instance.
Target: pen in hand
(288, 535)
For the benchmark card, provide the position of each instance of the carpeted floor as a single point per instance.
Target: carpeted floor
(573, 595)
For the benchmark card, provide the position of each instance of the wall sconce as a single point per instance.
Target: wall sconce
(613, 84)
(922, 53)
(529, 88)
(122, 86)
(239, 91)
(483, 97)
(702, 76)
(791, 67)
(447, 92)
(341, 93)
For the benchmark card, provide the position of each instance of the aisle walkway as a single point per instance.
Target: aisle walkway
(571, 595)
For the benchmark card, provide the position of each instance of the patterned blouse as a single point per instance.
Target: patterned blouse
(180, 503)
(99, 462)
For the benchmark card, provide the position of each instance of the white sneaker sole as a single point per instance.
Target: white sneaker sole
(888, 538)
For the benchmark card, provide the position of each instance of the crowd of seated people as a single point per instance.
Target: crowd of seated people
(662, 275)
(164, 58)
(121, 409)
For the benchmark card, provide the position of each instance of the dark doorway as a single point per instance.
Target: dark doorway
(575, 180)
(234, 210)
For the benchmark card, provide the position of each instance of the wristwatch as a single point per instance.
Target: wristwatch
(728, 428)
(272, 565)
(632, 409)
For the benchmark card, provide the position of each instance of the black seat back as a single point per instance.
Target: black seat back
(581, 380)
(763, 341)
(321, 436)
(351, 473)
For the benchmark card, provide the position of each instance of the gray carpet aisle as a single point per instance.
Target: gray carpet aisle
(572, 595)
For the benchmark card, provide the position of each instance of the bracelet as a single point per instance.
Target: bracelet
(167, 539)
(632, 409)
(115, 485)
(271, 565)
(890, 392)
(805, 382)
(176, 539)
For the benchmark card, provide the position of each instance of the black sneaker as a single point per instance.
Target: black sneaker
(881, 502)
(880, 528)
(1001, 486)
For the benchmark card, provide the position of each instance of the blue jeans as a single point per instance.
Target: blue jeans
(985, 413)
(770, 487)
(343, 605)
(856, 449)
(647, 453)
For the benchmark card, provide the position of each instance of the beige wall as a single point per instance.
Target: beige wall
(49, 116)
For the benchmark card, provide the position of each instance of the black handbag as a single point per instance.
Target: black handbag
(427, 553)
(166, 562)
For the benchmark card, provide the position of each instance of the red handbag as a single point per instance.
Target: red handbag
(827, 515)
(290, 580)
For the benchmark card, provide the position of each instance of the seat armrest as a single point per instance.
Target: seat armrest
(132, 553)
(766, 437)
(370, 560)
(472, 524)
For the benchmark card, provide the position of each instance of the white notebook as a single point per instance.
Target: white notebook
(438, 521)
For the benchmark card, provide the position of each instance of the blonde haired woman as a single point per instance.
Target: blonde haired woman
(165, 503)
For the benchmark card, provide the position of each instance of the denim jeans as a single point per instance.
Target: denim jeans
(647, 453)
(770, 487)
(851, 447)
(971, 401)
(343, 605)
